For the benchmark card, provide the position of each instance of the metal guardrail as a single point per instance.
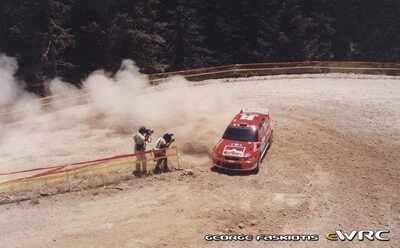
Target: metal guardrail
(261, 69)
(10, 114)
(68, 175)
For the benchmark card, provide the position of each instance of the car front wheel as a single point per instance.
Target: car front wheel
(257, 169)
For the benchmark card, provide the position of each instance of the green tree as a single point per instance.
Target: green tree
(185, 36)
(136, 32)
(37, 28)
(264, 28)
(377, 36)
(90, 21)
(224, 30)
(317, 28)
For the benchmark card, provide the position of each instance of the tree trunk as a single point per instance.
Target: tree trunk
(52, 49)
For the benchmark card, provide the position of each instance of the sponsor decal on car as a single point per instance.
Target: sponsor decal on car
(236, 144)
(233, 151)
(247, 117)
(255, 110)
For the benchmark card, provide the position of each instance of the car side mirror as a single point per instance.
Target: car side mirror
(258, 145)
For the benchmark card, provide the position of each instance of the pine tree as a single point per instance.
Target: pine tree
(287, 42)
(137, 33)
(265, 28)
(318, 30)
(56, 37)
(70, 39)
(90, 21)
(185, 37)
(225, 24)
(41, 38)
(377, 35)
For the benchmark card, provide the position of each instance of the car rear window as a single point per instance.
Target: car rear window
(241, 133)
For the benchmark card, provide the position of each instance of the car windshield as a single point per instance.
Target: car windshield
(241, 134)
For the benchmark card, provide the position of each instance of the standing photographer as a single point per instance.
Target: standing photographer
(164, 142)
(140, 139)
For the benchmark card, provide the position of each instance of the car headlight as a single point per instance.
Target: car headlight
(218, 155)
(248, 158)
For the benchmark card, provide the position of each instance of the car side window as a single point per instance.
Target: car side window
(261, 128)
(264, 123)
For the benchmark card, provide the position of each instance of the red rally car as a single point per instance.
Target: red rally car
(245, 141)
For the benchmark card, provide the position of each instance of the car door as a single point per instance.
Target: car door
(262, 134)
(267, 126)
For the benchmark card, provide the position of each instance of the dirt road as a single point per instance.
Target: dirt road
(334, 164)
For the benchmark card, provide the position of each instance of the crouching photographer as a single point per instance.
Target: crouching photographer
(161, 155)
(141, 138)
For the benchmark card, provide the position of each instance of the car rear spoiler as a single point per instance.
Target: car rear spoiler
(259, 111)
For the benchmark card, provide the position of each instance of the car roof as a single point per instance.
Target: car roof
(247, 119)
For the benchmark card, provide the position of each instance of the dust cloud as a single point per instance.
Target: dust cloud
(8, 83)
(108, 110)
(196, 115)
(12, 95)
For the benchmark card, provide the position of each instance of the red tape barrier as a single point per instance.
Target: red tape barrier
(30, 170)
(50, 170)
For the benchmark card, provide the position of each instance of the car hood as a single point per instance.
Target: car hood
(234, 148)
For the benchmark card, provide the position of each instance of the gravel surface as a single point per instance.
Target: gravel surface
(334, 164)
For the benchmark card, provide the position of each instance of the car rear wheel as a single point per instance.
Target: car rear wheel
(271, 139)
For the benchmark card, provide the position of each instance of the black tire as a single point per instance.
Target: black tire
(257, 169)
(271, 139)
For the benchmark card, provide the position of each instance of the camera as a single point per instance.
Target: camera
(149, 131)
(168, 137)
